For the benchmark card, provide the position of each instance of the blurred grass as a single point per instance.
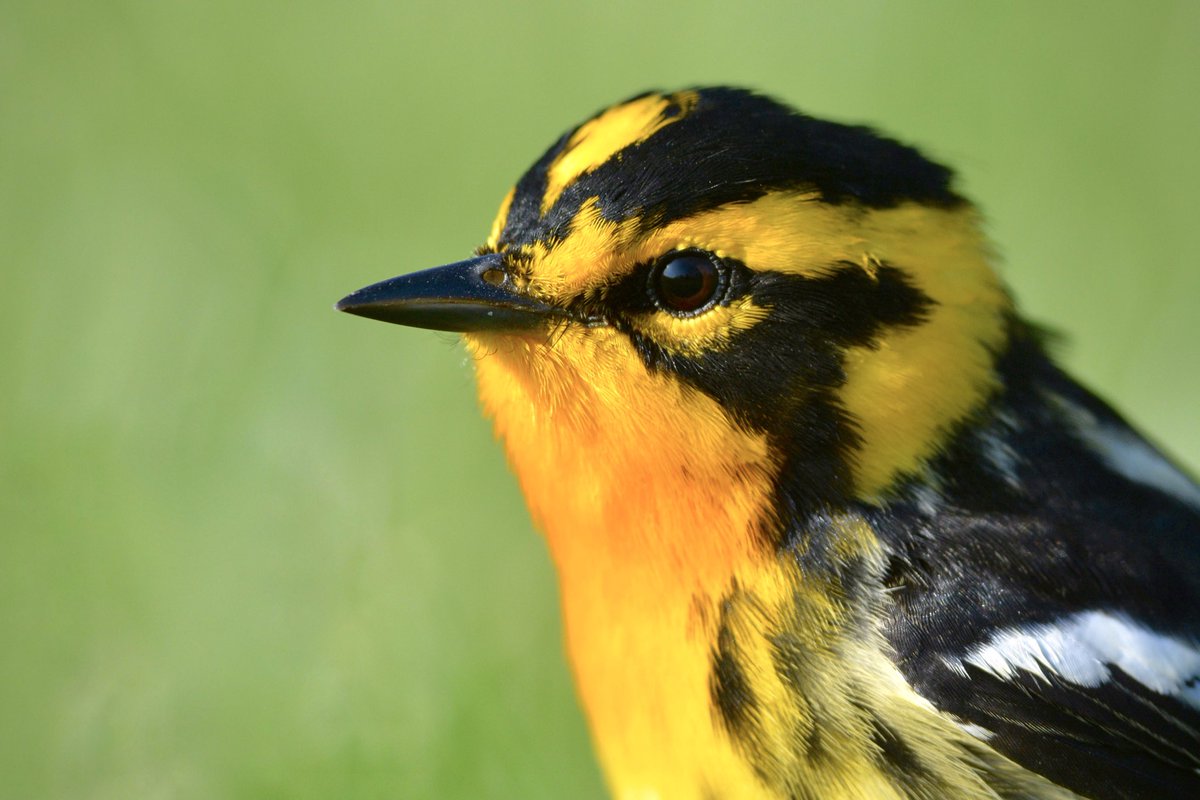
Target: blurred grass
(255, 549)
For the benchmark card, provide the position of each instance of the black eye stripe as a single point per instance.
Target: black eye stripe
(633, 294)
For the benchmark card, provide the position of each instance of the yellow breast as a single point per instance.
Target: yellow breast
(646, 539)
(658, 510)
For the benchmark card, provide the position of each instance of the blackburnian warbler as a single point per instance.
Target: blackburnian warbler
(827, 520)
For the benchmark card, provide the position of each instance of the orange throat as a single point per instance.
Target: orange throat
(653, 503)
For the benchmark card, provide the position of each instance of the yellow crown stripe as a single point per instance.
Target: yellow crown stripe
(597, 141)
(493, 239)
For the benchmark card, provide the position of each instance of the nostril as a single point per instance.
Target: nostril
(494, 276)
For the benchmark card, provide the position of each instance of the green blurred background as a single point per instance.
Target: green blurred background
(254, 548)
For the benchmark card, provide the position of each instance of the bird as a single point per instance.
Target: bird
(827, 518)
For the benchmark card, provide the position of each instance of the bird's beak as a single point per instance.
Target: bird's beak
(472, 295)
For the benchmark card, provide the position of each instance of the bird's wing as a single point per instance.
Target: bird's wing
(1077, 657)
(1096, 702)
(1048, 598)
(1071, 684)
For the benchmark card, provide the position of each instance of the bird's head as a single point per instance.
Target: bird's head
(710, 269)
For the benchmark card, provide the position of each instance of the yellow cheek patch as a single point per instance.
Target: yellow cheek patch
(595, 142)
(909, 391)
(707, 332)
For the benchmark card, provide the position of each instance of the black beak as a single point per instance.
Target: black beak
(472, 295)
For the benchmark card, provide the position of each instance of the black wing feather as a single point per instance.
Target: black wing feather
(1066, 534)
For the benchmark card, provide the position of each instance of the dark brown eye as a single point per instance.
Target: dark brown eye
(685, 282)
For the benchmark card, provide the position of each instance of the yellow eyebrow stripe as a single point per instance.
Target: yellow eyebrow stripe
(597, 141)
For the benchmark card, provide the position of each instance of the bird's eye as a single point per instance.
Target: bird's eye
(684, 283)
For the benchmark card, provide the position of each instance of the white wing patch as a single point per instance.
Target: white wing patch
(1128, 454)
(1083, 648)
(998, 452)
(1131, 456)
(978, 731)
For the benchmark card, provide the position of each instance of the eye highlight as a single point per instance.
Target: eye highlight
(686, 282)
